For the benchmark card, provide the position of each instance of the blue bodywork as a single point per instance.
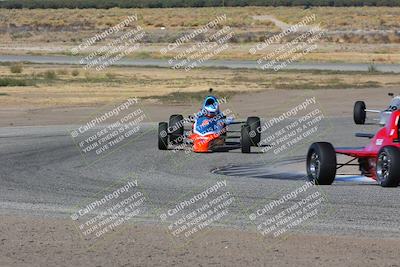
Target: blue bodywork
(205, 125)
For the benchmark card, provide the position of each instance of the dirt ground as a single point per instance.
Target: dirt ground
(34, 241)
(50, 86)
(264, 104)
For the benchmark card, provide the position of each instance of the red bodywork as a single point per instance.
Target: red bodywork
(205, 143)
(386, 136)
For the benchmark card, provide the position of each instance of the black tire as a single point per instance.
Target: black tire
(321, 163)
(245, 140)
(255, 125)
(388, 166)
(162, 136)
(359, 113)
(176, 125)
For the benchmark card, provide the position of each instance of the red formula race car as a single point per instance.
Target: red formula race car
(208, 131)
(379, 160)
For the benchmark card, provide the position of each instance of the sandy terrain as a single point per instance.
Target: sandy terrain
(242, 104)
(35, 241)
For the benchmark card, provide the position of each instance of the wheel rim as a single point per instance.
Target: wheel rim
(315, 164)
(383, 166)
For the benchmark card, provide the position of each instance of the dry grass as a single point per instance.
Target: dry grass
(364, 18)
(57, 31)
(75, 26)
(94, 88)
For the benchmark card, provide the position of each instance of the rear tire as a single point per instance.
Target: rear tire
(163, 136)
(245, 140)
(388, 166)
(359, 113)
(321, 163)
(176, 123)
(255, 135)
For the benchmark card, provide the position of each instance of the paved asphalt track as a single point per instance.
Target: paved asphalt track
(42, 173)
(233, 64)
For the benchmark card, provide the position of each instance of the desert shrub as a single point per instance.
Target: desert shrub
(13, 82)
(75, 73)
(110, 75)
(50, 74)
(16, 68)
(62, 72)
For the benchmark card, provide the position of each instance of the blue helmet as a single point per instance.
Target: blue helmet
(210, 106)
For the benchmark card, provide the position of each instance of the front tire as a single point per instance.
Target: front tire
(245, 140)
(176, 126)
(359, 113)
(163, 136)
(388, 166)
(321, 163)
(255, 135)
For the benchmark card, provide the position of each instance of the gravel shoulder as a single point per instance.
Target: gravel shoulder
(35, 241)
